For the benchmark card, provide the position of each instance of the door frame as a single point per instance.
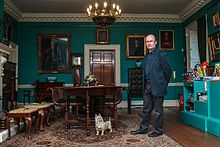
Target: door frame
(114, 47)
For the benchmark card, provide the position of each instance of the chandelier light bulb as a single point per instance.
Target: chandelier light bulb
(119, 11)
(105, 4)
(117, 7)
(96, 5)
(113, 6)
(87, 10)
(90, 7)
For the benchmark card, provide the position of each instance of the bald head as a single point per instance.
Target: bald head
(150, 42)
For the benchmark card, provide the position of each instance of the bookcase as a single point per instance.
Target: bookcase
(135, 85)
(201, 105)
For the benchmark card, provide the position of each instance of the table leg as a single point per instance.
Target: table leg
(8, 126)
(37, 122)
(48, 116)
(29, 126)
(41, 113)
(66, 118)
(87, 114)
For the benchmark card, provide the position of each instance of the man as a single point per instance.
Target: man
(157, 73)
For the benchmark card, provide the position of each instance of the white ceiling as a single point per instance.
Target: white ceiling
(79, 6)
(23, 9)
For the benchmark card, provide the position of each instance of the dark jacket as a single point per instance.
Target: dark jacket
(160, 73)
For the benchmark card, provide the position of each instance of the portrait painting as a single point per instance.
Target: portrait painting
(54, 53)
(77, 59)
(166, 39)
(135, 46)
(102, 36)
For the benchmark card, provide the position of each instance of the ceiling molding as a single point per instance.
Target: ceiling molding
(192, 8)
(12, 10)
(81, 17)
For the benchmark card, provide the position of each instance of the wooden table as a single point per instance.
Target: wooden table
(86, 92)
(42, 108)
(22, 113)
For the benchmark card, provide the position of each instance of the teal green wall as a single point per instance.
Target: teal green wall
(1, 19)
(208, 10)
(25, 35)
(85, 33)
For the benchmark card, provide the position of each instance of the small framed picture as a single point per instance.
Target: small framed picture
(77, 59)
(102, 36)
(216, 19)
(135, 46)
(166, 39)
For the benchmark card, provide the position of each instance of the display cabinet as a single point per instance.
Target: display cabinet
(201, 105)
(135, 85)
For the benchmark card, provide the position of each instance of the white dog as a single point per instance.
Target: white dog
(101, 125)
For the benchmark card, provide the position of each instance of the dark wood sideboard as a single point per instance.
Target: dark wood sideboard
(41, 90)
(9, 86)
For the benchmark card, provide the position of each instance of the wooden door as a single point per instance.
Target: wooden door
(102, 66)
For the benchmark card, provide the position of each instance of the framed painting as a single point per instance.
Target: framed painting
(214, 46)
(216, 19)
(135, 46)
(54, 53)
(102, 36)
(166, 38)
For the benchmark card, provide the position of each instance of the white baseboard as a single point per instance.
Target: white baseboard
(4, 133)
(167, 103)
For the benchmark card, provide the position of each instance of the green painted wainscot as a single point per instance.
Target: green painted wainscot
(201, 105)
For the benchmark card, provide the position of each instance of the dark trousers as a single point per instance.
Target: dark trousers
(150, 103)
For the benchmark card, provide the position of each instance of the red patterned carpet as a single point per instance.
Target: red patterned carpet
(56, 136)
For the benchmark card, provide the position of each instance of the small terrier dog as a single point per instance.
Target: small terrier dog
(101, 125)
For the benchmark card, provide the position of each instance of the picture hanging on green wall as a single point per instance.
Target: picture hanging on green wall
(166, 39)
(135, 46)
(214, 46)
(102, 36)
(216, 19)
(54, 53)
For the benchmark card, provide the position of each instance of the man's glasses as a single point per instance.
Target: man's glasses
(151, 41)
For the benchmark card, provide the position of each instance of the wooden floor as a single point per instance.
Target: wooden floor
(184, 134)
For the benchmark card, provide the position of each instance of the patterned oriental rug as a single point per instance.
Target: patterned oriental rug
(56, 136)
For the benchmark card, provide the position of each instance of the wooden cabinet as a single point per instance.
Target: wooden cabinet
(135, 85)
(9, 86)
(41, 92)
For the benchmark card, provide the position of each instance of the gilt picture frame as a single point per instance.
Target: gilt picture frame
(135, 46)
(102, 36)
(216, 19)
(214, 46)
(166, 39)
(53, 53)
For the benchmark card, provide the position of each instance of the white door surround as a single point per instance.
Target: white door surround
(114, 47)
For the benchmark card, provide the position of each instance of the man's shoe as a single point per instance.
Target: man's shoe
(155, 134)
(139, 131)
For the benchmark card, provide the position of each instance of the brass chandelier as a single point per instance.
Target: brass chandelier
(103, 14)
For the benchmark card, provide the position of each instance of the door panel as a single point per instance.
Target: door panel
(102, 66)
